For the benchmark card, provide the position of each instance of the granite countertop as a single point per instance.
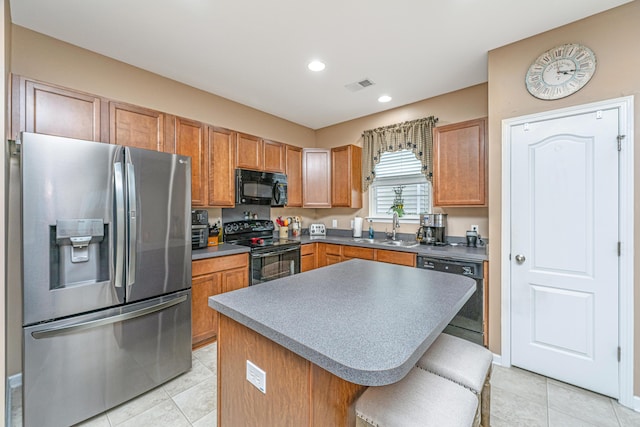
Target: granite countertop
(461, 252)
(364, 321)
(223, 249)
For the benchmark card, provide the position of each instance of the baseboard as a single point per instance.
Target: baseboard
(14, 381)
(636, 403)
(497, 359)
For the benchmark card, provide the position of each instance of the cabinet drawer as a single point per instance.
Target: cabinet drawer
(330, 249)
(307, 249)
(222, 263)
(396, 257)
(357, 252)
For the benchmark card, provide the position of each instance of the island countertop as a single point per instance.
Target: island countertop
(365, 322)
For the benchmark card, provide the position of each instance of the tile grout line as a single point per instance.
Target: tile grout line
(546, 387)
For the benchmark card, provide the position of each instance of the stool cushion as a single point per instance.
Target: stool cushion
(458, 360)
(419, 399)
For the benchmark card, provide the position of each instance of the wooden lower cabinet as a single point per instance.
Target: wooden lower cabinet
(299, 393)
(210, 277)
(396, 257)
(349, 252)
(329, 253)
(308, 257)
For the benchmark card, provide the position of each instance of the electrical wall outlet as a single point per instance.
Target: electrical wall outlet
(257, 377)
(334, 223)
(474, 228)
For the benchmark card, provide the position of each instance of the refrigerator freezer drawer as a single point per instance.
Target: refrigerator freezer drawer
(79, 367)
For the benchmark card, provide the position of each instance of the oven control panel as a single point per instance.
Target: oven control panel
(317, 230)
(248, 226)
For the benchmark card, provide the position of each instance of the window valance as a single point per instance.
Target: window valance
(414, 135)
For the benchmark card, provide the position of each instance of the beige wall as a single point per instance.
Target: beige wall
(454, 107)
(613, 36)
(43, 58)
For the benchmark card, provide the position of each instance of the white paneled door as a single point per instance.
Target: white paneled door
(564, 249)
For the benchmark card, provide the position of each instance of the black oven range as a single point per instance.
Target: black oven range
(271, 258)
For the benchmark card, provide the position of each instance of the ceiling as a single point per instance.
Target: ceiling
(256, 52)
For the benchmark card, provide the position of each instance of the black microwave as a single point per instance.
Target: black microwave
(260, 188)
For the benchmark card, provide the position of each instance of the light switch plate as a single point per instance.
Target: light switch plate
(257, 377)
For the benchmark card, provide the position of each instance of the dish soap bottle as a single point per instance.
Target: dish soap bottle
(370, 229)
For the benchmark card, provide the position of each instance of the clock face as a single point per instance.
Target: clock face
(560, 71)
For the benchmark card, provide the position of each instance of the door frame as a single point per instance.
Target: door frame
(626, 217)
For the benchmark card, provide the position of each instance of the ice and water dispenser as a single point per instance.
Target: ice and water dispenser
(79, 252)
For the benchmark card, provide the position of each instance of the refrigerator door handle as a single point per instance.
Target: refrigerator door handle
(120, 222)
(133, 229)
(68, 329)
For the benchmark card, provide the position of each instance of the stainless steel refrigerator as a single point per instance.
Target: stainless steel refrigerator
(106, 275)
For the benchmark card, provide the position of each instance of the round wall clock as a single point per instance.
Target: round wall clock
(560, 71)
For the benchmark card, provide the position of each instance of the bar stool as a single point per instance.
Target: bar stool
(420, 399)
(464, 363)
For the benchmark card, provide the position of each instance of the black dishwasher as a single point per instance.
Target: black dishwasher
(469, 322)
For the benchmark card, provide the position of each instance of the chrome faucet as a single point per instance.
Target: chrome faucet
(395, 223)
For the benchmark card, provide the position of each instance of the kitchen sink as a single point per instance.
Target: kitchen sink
(402, 243)
(386, 242)
(363, 240)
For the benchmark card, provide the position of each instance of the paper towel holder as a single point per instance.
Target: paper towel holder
(357, 226)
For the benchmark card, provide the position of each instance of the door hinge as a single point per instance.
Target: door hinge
(619, 248)
(619, 354)
(620, 138)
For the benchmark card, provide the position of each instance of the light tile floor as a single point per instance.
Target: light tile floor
(188, 400)
(518, 398)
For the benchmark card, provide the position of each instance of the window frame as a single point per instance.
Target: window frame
(414, 179)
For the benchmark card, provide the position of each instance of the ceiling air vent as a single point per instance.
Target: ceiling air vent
(354, 87)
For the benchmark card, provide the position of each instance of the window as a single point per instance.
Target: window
(395, 169)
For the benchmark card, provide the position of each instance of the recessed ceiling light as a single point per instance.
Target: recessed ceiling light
(384, 98)
(316, 66)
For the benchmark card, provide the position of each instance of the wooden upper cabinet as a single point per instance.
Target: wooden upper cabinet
(273, 156)
(42, 108)
(221, 162)
(346, 176)
(316, 178)
(138, 127)
(249, 152)
(294, 175)
(459, 164)
(190, 141)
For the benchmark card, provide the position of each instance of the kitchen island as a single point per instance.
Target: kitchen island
(323, 336)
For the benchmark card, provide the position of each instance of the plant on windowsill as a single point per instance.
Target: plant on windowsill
(398, 201)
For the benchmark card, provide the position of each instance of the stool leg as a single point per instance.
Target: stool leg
(362, 423)
(485, 401)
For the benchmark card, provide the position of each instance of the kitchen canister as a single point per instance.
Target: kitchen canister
(357, 226)
(284, 232)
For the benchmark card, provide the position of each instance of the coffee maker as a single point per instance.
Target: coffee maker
(433, 229)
